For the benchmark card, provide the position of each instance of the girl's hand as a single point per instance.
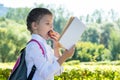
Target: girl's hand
(66, 55)
(54, 37)
(70, 52)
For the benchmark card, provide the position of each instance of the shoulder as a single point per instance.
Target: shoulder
(33, 48)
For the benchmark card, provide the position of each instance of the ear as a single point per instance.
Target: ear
(34, 25)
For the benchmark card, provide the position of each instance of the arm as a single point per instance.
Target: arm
(67, 53)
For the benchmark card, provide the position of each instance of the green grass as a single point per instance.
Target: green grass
(75, 70)
(104, 65)
(7, 65)
(114, 65)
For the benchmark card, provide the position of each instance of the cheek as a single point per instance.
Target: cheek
(43, 29)
(40, 30)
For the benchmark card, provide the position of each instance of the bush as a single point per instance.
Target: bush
(86, 74)
(4, 74)
(74, 70)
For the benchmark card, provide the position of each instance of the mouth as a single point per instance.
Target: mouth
(50, 33)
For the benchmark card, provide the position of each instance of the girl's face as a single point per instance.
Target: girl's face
(44, 26)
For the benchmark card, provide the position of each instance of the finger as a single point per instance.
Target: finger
(54, 38)
(72, 48)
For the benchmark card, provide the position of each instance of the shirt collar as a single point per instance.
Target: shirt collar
(38, 38)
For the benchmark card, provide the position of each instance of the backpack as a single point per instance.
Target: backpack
(19, 71)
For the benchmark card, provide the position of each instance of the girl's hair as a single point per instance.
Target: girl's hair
(36, 15)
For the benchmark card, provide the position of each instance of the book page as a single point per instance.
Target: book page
(72, 33)
(67, 25)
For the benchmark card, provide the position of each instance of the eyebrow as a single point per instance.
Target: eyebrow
(49, 21)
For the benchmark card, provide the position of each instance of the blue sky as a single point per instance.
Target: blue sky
(77, 7)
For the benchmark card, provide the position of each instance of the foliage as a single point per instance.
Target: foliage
(90, 71)
(105, 33)
(91, 35)
(115, 44)
(74, 70)
(4, 74)
(101, 32)
(100, 42)
(87, 51)
(85, 74)
(12, 39)
(18, 14)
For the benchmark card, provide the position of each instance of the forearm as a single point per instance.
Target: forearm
(62, 59)
(66, 55)
(57, 52)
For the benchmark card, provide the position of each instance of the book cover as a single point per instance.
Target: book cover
(72, 32)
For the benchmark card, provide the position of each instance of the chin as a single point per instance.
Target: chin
(47, 38)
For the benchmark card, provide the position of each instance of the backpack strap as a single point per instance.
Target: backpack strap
(33, 40)
(34, 67)
(17, 62)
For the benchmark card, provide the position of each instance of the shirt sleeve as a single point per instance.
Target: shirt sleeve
(60, 70)
(44, 67)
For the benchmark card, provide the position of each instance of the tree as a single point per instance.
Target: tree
(91, 35)
(61, 17)
(12, 40)
(114, 44)
(87, 51)
(18, 14)
(105, 33)
(113, 15)
(98, 16)
(118, 23)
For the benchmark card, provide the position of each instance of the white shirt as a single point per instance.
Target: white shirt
(46, 66)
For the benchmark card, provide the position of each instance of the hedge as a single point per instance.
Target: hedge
(77, 74)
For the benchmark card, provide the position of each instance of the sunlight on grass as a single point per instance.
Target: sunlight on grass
(114, 65)
(7, 65)
(77, 65)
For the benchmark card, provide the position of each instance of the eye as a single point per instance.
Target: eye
(48, 23)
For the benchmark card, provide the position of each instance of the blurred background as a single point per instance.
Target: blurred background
(98, 48)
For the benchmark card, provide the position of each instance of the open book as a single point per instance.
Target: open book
(72, 32)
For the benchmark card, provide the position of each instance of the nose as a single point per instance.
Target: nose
(51, 26)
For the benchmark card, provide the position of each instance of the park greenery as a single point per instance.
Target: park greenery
(100, 42)
(74, 70)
